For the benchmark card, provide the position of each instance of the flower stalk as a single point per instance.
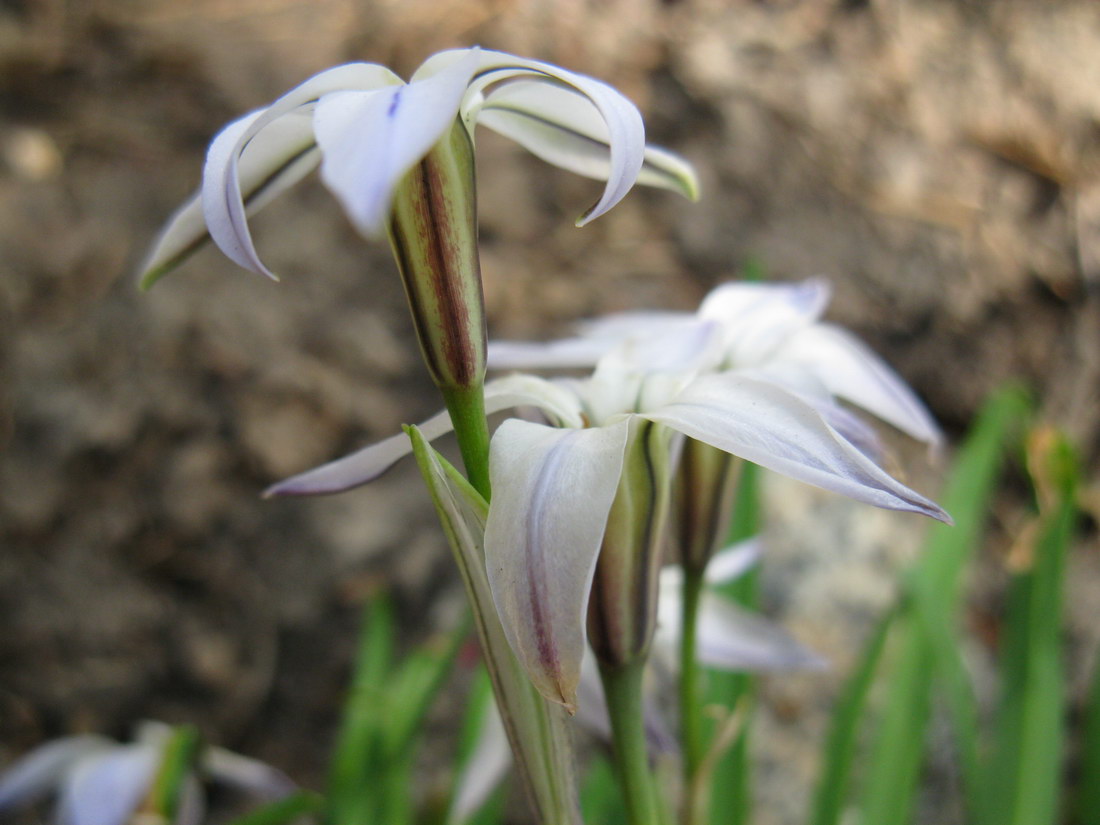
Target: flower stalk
(623, 689)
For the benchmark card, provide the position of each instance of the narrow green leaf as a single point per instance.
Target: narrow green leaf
(358, 759)
(840, 744)
(282, 811)
(898, 749)
(935, 583)
(731, 799)
(601, 798)
(1087, 807)
(1026, 769)
(181, 753)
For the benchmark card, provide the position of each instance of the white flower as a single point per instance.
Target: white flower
(367, 128)
(554, 484)
(101, 782)
(772, 329)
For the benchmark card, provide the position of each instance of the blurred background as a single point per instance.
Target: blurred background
(937, 160)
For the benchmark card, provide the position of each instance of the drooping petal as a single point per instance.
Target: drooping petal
(485, 769)
(279, 157)
(222, 199)
(367, 464)
(563, 127)
(106, 789)
(625, 131)
(735, 561)
(553, 490)
(732, 638)
(41, 770)
(771, 427)
(369, 140)
(850, 370)
(247, 774)
(758, 318)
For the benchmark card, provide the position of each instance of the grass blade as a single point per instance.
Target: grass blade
(840, 744)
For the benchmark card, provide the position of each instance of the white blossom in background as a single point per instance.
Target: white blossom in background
(98, 781)
(774, 330)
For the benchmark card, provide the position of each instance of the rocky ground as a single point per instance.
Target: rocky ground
(939, 161)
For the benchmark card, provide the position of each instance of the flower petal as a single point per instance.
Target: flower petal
(367, 464)
(734, 561)
(247, 774)
(485, 768)
(369, 140)
(564, 127)
(39, 771)
(732, 638)
(553, 490)
(767, 425)
(222, 199)
(107, 789)
(850, 370)
(625, 131)
(283, 154)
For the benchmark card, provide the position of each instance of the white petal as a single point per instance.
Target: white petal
(191, 809)
(771, 427)
(222, 200)
(367, 464)
(43, 768)
(369, 140)
(486, 768)
(247, 774)
(564, 127)
(276, 159)
(732, 638)
(107, 789)
(552, 491)
(734, 561)
(850, 370)
(625, 131)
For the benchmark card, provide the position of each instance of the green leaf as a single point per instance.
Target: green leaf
(731, 800)
(358, 759)
(1087, 807)
(1026, 768)
(181, 753)
(840, 744)
(282, 811)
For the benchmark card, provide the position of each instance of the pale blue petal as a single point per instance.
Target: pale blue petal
(552, 491)
(564, 127)
(625, 131)
(369, 140)
(107, 789)
(40, 771)
(850, 370)
(369, 463)
(768, 425)
(222, 199)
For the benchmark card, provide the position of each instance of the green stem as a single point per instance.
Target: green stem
(623, 689)
(467, 409)
(691, 720)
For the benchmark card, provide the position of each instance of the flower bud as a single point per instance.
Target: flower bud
(622, 610)
(433, 233)
(703, 491)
